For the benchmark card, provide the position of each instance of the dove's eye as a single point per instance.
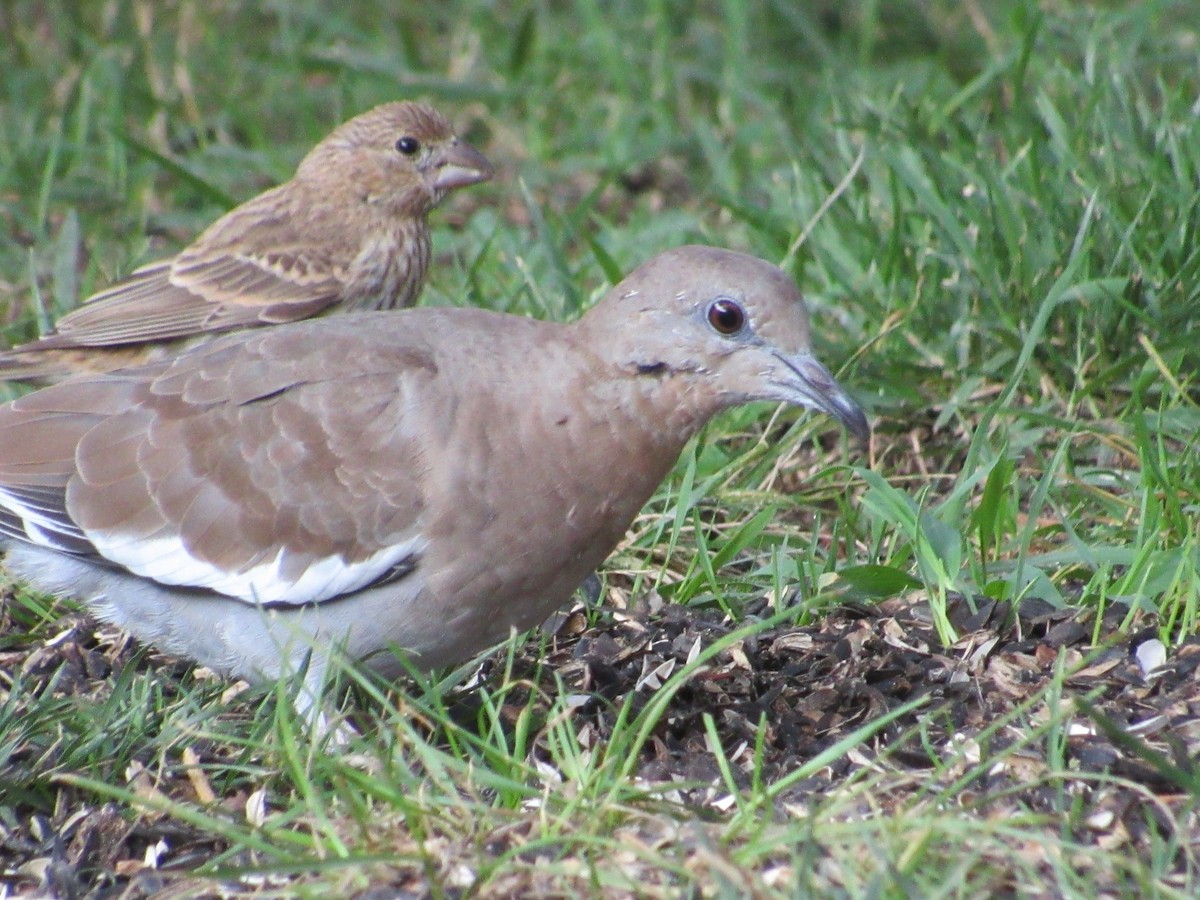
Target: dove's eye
(726, 316)
(408, 145)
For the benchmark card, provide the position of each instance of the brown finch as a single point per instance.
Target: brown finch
(348, 232)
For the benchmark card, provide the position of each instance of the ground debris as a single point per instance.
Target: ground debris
(1122, 714)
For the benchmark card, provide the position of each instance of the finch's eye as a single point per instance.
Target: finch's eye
(726, 316)
(408, 145)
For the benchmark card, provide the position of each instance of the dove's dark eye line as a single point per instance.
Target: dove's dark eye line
(408, 145)
(726, 316)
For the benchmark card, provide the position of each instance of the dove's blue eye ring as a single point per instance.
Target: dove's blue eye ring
(408, 145)
(726, 316)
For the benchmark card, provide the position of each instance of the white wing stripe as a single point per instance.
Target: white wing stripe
(165, 560)
(41, 527)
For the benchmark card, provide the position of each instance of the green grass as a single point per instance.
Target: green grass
(994, 211)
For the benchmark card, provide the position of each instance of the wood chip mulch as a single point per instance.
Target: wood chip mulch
(1138, 715)
(1128, 706)
(1034, 709)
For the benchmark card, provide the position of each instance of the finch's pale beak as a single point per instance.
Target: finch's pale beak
(459, 165)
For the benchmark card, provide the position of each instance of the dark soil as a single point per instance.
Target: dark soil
(1020, 685)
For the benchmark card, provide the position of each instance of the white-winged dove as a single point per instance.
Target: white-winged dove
(347, 232)
(416, 482)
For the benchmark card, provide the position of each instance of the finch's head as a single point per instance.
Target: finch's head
(401, 156)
